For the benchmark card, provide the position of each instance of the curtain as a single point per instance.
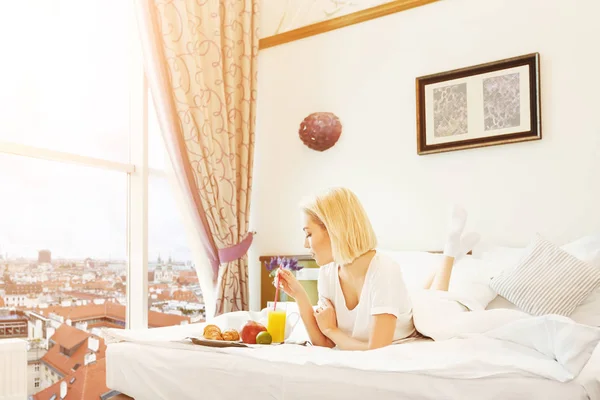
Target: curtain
(200, 58)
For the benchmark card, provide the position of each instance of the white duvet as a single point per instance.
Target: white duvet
(468, 344)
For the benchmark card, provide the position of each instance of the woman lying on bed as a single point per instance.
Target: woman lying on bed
(364, 303)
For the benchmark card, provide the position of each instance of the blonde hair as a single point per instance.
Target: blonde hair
(340, 212)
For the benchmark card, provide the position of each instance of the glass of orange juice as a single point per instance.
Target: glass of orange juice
(276, 322)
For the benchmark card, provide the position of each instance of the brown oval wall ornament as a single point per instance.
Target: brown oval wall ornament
(320, 130)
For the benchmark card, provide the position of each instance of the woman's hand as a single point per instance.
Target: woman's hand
(326, 318)
(289, 284)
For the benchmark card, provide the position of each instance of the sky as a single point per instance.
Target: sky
(65, 86)
(80, 212)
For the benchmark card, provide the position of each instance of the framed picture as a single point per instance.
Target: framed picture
(482, 105)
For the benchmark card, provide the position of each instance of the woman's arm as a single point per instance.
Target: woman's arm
(317, 338)
(383, 327)
(345, 342)
(293, 288)
(382, 334)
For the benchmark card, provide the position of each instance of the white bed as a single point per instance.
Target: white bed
(157, 364)
(499, 354)
(147, 372)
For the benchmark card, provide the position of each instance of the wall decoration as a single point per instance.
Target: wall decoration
(284, 21)
(320, 130)
(482, 105)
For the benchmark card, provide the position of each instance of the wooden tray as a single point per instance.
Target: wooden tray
(216, 343)
(225, 343)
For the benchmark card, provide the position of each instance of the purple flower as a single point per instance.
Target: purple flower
(292, 264)
(273, 264)
(283, 262)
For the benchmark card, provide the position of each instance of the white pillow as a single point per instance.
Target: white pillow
(547, 280)
(508, 256)
(416, 265)
(470, 276)
(586, 249)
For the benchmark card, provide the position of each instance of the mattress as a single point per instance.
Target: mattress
(148, 372)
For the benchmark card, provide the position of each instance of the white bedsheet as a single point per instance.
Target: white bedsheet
(551, 346)
(479, 346)
(148, 372)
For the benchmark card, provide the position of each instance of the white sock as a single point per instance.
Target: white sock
(467, 243)
(458, 219)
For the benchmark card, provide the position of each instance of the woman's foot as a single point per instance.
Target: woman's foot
(468, 241)
(458, 219)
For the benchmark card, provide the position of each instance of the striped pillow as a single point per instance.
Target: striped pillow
(548, 280)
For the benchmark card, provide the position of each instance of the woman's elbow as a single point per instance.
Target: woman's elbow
(326, 343)
(378, 345)
(322, 342)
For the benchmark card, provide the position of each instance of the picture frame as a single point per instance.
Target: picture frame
(482, 105)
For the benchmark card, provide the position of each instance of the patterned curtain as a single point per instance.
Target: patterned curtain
(206, 52)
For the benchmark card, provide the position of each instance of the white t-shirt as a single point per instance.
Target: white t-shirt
(383, 292)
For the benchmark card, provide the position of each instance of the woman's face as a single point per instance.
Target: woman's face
(317, 240)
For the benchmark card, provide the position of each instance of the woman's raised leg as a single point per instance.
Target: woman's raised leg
(457, 245)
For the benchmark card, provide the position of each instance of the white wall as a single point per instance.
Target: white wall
(366, 75)
(32, 374)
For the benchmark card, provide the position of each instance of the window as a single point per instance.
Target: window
(37, 368)
(74, 191)
(36, 382)
(69, 214)
(173, 287)
(70, 145)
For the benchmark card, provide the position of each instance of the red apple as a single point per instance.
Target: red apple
(250, 330)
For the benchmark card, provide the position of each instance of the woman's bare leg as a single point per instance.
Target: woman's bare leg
(456, 247)
(467, 242)
(441, 278)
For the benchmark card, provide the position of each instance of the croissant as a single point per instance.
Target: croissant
(213, 335)
(231, 335)
(211, 328)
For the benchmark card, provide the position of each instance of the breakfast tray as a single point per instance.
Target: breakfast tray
(201, 341)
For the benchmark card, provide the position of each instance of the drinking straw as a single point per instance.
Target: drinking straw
(276, 290)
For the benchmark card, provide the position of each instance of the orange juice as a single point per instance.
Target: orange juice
(276, 325)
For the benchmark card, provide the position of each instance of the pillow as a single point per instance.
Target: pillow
(416, 265)
(588, 312)
(471, 278)
(501, 254)
(547, 280)
(586, 249)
